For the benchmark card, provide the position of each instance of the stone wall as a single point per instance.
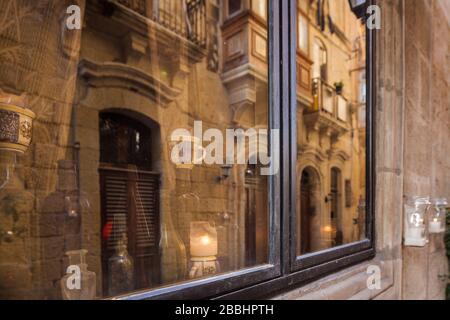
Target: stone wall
(427, 139)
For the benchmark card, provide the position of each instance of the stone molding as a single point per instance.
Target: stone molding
(119, 75)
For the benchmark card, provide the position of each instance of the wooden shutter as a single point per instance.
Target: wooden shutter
(130, 204)
(115, 207)
(145, 199)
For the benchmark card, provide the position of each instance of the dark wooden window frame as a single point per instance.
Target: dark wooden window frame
(307, 265)
(285, 269)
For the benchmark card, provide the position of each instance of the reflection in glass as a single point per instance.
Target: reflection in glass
(331, 124)
(79, 283)
(102, 183)
(121, 270)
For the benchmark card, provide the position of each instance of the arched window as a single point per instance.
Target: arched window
(129, 202)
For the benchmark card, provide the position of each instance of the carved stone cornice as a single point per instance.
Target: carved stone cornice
(119, 75)
(314, 152)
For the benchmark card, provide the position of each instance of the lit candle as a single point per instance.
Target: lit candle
(435, 226)
(203, 240)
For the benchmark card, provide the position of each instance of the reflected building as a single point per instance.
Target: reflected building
(108, 98)
(331, 125)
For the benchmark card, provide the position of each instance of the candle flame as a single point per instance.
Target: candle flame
(205, 240)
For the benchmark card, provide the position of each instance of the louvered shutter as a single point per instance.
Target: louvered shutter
(116, 206)
(146, 238)
(130, 205)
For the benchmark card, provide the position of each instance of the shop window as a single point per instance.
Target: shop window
(129, 177)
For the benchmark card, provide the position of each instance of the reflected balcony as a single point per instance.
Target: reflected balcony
(329, 111)
(186, 18)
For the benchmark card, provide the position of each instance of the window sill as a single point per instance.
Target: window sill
(349, 284)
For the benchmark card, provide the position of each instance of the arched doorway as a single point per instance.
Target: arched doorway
(309, 220)
(129, 199)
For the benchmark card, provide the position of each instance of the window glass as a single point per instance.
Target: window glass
(259, 7)
(234, 6)
(303, 35)
(331, 131)
(133, 146)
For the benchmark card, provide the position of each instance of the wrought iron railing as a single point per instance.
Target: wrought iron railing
(186, 18)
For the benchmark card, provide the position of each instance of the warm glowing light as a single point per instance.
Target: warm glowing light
(327, 229)
(205, 240)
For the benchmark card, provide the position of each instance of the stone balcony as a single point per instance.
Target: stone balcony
(329, 112)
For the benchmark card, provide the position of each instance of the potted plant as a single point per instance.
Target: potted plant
(339, 87)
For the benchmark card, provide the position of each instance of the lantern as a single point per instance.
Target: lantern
(203, 248)
(437, 216)
(415, 221)
(358, 7)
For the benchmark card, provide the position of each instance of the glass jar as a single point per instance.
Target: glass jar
(437, 216)
(203, 249)
(79, 283)
(415, 221)
(121, 270)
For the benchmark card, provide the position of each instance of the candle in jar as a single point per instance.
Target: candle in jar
(203, 240)
(435, 226)
(415, 232)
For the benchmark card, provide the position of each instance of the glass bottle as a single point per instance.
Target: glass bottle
(76, 206)
(120, 270)
(16, 205)
(79, 283)
(415, 223)
(175, 236)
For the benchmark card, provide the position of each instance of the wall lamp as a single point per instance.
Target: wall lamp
(226, 171)
(359, 7)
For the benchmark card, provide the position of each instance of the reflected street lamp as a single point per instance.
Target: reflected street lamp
(358, 7)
